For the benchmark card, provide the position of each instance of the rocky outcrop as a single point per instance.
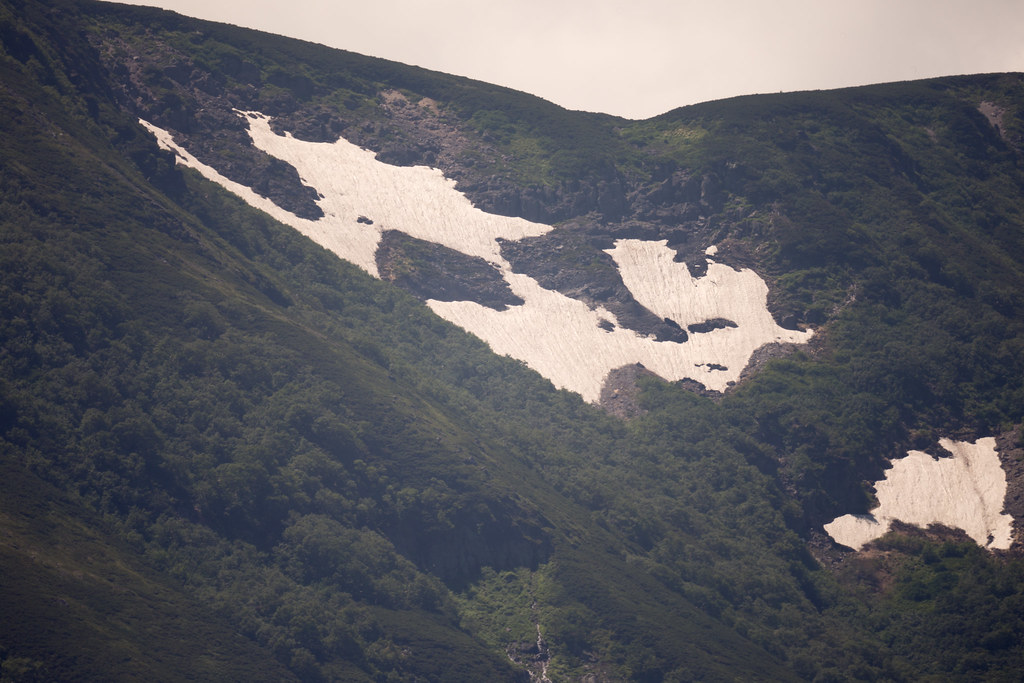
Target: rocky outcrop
(199, 106)
(575, 264)
(620, 394)
(433, 271)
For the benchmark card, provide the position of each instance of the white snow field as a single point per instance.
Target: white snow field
(668, 290)
(557, 336)
(966, 492)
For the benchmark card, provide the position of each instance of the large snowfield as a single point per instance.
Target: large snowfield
(559, 337)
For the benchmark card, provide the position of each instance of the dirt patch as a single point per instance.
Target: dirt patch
(994, 113)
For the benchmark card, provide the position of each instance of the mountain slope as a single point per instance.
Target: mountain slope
(363, 491)
(165, 363)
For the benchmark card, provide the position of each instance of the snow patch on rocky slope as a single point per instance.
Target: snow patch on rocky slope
(667, 288)
(559, 337)
(965, 491)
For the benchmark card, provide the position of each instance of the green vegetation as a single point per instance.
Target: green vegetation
(226, 454)
(80, 605)
(951, 599)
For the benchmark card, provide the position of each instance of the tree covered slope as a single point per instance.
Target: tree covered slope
(228, 454)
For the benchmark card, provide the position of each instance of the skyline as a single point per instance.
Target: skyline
(647, 57)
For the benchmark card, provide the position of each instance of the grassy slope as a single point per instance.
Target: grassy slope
(79, 604)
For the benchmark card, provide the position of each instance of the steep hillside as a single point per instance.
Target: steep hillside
(229, 453)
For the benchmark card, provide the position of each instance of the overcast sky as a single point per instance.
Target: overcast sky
(639, 58)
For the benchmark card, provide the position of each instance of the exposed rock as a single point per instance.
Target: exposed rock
(695, 387)
(576, 265)
(268, 176)
(1010, 446)
(621, 393)
(765, 354)
(182, 98)
(709, 325)
(994, 113)
(433, 271)
(313, 124)
(674, 200)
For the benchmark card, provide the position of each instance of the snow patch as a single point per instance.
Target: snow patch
(416, 200)
(362, 197)
(966, 492)
(559, 337)
(669, 290)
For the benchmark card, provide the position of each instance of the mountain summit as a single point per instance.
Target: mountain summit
(321, 367)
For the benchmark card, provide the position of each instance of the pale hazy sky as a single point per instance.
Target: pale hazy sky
(639, 58)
